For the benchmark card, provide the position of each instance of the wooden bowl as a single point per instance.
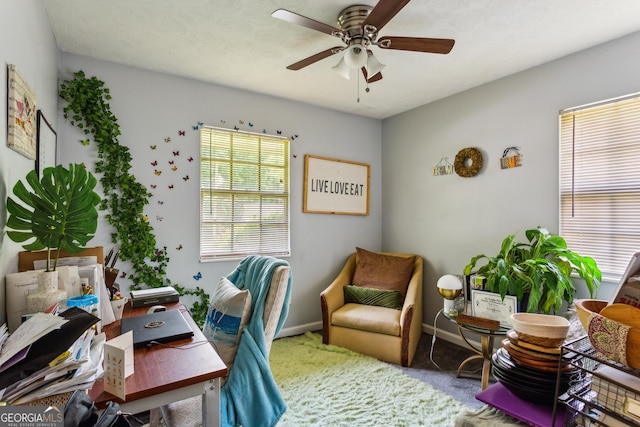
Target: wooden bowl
(542, 329)
(585, 307)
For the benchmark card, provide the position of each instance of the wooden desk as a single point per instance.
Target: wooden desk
(163, 374)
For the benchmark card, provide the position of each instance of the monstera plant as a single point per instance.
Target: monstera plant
(539, 269)
(58, 212)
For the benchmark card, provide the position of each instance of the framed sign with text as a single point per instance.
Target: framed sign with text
(333, 186)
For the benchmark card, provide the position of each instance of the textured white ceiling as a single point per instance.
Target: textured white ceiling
(237, 43)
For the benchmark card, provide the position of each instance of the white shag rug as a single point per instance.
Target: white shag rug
(332, 386)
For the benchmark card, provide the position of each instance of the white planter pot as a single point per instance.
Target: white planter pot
(47, 294)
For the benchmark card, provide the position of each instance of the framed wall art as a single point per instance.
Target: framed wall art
(47, 145)
(333, 186)
(22, 120)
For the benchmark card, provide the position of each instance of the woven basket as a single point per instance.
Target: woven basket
(585, 307)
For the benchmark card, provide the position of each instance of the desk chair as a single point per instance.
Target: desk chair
(188, 412)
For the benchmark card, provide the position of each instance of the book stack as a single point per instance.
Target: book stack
(48, 355)
(617, 391)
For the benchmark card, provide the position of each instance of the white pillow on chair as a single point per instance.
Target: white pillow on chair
(229, 312)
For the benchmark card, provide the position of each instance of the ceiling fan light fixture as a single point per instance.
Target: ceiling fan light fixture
(373, 65)
(343, 69)
(356, 56)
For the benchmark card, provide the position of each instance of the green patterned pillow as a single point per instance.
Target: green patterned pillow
(370, 296)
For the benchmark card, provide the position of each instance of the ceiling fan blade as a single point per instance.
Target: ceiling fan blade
(295, 18)
(377, 76)
(315, 58)
(416, 44)
(383, 12)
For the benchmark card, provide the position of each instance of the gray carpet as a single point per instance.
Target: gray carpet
(447, 356)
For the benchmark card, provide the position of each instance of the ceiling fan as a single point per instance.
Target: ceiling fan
(359, 27)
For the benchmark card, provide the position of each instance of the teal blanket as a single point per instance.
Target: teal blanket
(251, 396)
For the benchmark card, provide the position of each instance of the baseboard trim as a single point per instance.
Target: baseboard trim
(299, 330)
(317, 326)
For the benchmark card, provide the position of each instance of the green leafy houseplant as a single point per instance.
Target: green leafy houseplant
(540, 267)
(58, 213)
(124, 197)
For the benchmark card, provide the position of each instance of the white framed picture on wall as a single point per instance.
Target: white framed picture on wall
(334, 186)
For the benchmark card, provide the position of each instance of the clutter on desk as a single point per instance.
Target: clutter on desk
(70, 278)
(50, 354)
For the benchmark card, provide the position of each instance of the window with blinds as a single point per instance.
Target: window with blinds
(244, 194)
(600, 182)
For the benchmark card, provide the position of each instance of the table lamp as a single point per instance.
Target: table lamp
(449, 287)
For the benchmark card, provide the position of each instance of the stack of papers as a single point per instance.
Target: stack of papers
(48, 355)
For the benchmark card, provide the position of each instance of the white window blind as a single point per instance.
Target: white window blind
(600, 182)
(244, 194)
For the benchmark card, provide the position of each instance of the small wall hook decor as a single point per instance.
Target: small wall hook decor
(513, 161)
(443, 167)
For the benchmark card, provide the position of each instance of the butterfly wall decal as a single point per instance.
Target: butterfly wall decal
(160, 202)
(174, 168)
(153, 147)
(123, 275)
(190, 159)
(154, 163)
(167, 140)
(171, 187)
(176, 153)
(171, 162)
(153, 186)
(186, 178)
(85, 142)
(159, 218)
(157, 172)
(179, 247)
(250, 124)
(181, 132)
(198, 276)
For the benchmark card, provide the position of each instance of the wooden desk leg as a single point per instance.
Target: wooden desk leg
(211, 404)
(487, 352)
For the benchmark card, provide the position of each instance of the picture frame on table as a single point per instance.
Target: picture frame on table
(47, 145)
(490, 305)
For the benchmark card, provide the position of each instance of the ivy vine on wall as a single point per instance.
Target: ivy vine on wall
(124, 198)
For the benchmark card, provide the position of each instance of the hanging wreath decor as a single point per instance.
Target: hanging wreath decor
(459, 163)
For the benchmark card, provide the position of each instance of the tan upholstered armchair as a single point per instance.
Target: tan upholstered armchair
(385, 333)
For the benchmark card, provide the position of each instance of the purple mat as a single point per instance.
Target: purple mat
(499, 397)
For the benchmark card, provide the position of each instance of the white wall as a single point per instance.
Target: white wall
(449, 219)
(152, 106)
(27, 41)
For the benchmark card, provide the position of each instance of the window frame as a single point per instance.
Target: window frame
(593, 187)
(263, 200)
